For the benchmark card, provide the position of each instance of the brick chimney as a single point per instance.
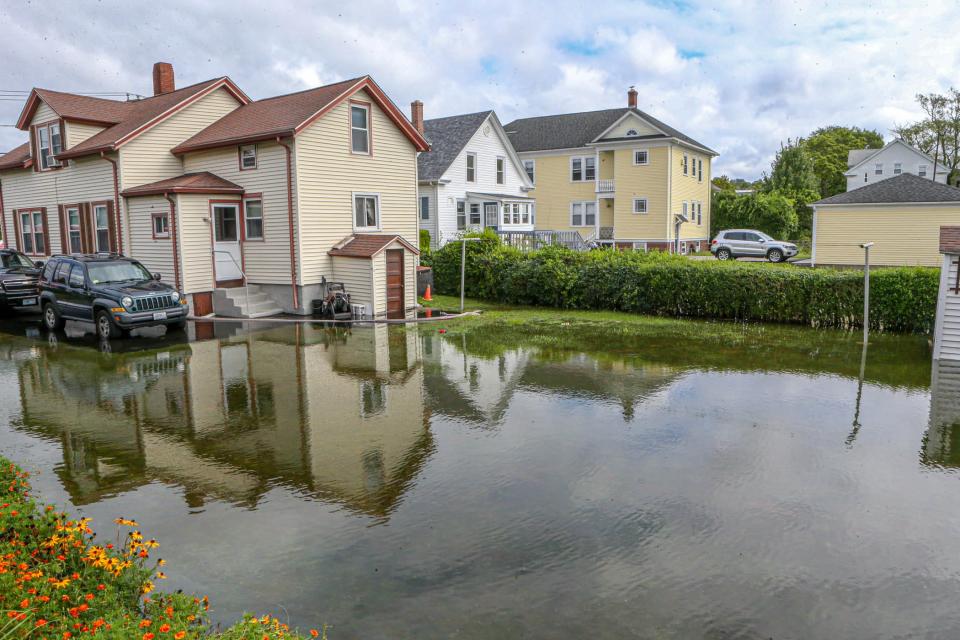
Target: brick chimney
(162, 78)
(416, 115)
(631, 97)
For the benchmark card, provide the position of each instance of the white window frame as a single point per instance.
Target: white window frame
(424, 200)
(471, 167)
(686, 160)
(525, 219)
(34, 218)
(922, 170)
(878, 169)
(686, 209)
(246, 216)
(244, 148)
(47, 160)
(645, 208)
(474, 210)
(646, 156)
(505, 213)
(583, 213)
(897, 168)
(363, 194)
(501, 170)
(693, 167)
(699, 213)
(71, 230)
(699, 170)
(366, 109)
(583, 168)
(157, 215)
(532, 171)
(461, 208)
(97, 228)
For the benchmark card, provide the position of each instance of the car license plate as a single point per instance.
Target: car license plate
(160, 315)
(27, 302)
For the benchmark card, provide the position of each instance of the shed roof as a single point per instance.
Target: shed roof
(905, 188)
(199, 182)
(367, 245)
(16, 158)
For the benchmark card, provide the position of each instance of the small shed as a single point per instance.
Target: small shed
(946, 343)
(379, 272)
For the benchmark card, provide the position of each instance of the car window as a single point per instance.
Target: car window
(15, 260)
(49, 269)
(76, 276)
(62, 271)
(733, 235)
(120, 271)
(751, 237)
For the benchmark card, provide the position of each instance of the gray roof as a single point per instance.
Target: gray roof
(447, 138)
(572, 130)
(903, 188)
(856, 156)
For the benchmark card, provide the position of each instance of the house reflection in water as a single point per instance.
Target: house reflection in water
(941, 445)
(335, 413)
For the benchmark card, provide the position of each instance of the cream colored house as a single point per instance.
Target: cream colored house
(216, 191)
(902, 216)
(618, 177)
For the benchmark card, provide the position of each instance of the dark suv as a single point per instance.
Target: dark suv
(18, 281)
(116, 293)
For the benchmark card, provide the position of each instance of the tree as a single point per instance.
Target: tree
(772, 213)
(792, 176)
(937, 135)
(828, 148)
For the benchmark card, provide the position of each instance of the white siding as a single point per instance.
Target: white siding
(356, 274)
(156, 255)
(267, 261)
(428, 191)
(947, 346)
(77, 132)
(909, 159)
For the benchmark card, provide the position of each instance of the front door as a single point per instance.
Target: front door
(395, 285)
(491, 212)
(226, 241)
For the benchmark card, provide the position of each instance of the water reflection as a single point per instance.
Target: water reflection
(941, 446)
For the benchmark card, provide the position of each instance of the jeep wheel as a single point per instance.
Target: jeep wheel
(106, 329)
(52, 320)
(775, 255)
(180, 325)
(724, 254)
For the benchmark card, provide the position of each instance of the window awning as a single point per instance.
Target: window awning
(498, 197)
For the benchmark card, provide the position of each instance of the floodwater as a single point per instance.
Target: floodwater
(694, 480)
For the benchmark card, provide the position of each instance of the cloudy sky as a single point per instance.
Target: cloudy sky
(739, 76)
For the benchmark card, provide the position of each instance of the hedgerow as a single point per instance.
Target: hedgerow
(901, 299)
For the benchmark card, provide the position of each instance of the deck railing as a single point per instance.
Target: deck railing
(605, 186)
(532, 240)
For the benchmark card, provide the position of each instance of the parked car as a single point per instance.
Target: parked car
(117, 294)
(749, 243)
(18, 281)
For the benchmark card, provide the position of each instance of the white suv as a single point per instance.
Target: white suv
(749, 243)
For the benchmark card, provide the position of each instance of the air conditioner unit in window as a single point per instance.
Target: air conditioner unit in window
(52, 162)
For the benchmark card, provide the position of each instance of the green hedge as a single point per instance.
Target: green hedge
(902, 299)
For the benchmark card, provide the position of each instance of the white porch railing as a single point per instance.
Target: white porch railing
(605, 186)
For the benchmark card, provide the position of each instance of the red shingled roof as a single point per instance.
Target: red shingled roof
(289, 114)
(16, 158)
(76, 107)
(200, 182)
(367, 245)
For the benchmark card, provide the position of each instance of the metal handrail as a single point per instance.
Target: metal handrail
(246, 284)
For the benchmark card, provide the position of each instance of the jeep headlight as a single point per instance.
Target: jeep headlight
(127, 302)
(175, 296)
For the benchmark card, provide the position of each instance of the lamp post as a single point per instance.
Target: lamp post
(866, 290)
(678, 221)
(463, 266)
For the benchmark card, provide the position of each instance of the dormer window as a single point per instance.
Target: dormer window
(631, 133)
(49, 144)
(248, 157)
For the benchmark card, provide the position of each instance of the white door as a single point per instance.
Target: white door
(226, 241)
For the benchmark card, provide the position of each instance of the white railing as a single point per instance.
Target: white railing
(605, 186)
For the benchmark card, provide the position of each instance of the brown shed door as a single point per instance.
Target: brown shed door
(395, 292)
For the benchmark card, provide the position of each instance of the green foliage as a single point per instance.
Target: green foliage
(730, 184)
(792, 171)
(771, 213)
(828, 148)
(424, 241)
(902, 299)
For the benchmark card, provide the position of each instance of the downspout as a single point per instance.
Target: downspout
(3, 219)
(116, 199)
(293, 256)
(173, 240)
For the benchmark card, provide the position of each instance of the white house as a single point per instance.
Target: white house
(471, 178)
(946, 337)
(867, 166)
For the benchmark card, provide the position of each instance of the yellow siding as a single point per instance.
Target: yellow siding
(902, 235)
(147, 157)
(156, 255)
(328, 173)
(83, 180)
(267, 261)
(691, 188)
(193, 235)
(77, 132)
(555, 191)
(356, 274)
(635, 123)
(641, 181)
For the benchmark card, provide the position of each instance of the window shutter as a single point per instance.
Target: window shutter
(112, 227)
(16, 230)
(64, 228)
(46, 232)
(86, 241)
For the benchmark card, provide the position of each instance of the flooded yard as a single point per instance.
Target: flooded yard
(698, 480)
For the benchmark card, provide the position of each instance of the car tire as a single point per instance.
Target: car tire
(775, 255)
(52, 320)
(724, 254)
(106, 328)
(177, 326)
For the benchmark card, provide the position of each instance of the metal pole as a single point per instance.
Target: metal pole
(866, 291)
(463, 269)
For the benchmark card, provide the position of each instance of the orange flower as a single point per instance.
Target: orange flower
(144, 624)
(314, 633)
(41, 622)
(24, 603)
(164, 628)
(179, 635)
(148, 636)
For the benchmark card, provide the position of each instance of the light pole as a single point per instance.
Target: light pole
(463, 266)
(866, 290)
(678, 221)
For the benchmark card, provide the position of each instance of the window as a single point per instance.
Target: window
(865, 178)
(922, 171)
(49, 144)
(373, 398)
(699, 170)
(77, 279)
(641, 156)
(699, 213)
(583, 169)
(693, 167)
(897, 168)
(48, 271)
(424, 207)
(73, 230)
(102, 227)
(461, 215)
(516, 213)
(248, 157)
(640, 205)
(526, 213)
(253, 219)
(631, 133)
(360, 128)
(161, 225)
(530, 167)
(583, 214)
(366, 211)
(506, 214)
(31, 233)
(62, 272)
(878, 169)
(685, 209)
(685, 164)
(474, 213)
(471, 167)
(501, 169)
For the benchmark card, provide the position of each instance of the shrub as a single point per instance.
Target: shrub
(901, 299)
(424, 241)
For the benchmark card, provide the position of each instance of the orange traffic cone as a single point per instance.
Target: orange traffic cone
(427, 296)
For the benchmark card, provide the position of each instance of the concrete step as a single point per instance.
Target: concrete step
(240, 303)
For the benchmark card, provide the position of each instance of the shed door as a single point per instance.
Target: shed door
(395, 284)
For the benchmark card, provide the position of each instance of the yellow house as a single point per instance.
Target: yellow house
(901, 216)
(619, 177)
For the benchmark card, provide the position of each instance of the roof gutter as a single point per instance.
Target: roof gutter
(293, 257)
(173, 241)
(3, 218)
(116, 199)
